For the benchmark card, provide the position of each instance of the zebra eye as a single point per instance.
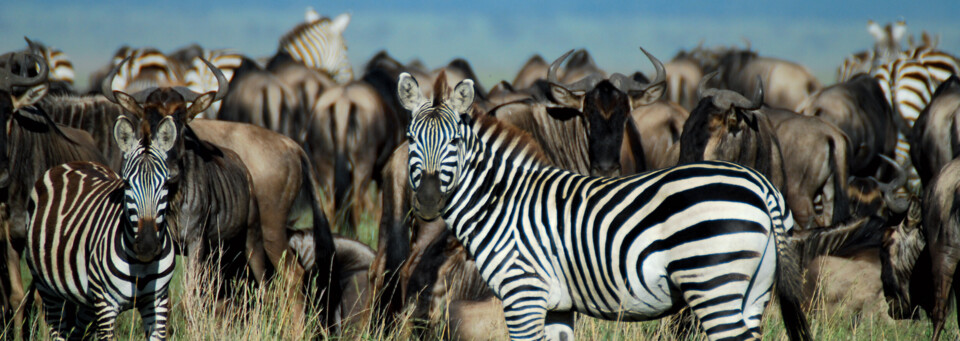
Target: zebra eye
(410, 139)
(455, 140)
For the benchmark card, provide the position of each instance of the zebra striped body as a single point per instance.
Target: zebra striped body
(80, 255)
(550, 242)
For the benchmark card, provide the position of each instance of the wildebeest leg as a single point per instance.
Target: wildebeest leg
(944, 269)
(256, 257)
(16, 291)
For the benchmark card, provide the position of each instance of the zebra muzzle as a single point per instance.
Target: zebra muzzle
(147, 243)
(428, 201)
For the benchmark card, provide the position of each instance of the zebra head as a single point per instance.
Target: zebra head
(23, 82)
(439, 137)
(146, 173)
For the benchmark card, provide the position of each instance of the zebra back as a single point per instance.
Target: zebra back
(147, 68)
(318, 43)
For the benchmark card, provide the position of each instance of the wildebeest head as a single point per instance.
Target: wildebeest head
(605, 106)
(151, 106)
(903, 246)
(716, 128)
(23, 78)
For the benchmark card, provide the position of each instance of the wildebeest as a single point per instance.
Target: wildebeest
(859, 108)
(727, 126)
(935, 139)
(584, 126)
(353, 132)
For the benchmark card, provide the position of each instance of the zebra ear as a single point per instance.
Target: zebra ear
(124, 135)
(462, 97)
(166, 134)
(409, 92)
(339, 24)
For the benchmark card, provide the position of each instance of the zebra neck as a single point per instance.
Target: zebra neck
(485, 187)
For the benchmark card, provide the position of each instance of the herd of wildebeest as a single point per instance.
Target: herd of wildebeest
(286, 150)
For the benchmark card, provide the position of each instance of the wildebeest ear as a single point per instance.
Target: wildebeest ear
(565, 97)
(124, 134)
(409, 92)
(339, 24)
(200, 104)
(128, 103)
(462, 96)
(649, 95)
(166, 134)
(31, 96)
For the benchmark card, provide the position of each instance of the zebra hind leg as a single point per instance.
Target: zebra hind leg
(559, 325)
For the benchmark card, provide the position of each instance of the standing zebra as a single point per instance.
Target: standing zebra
(317, 43)
(97, 243)
(550, 242)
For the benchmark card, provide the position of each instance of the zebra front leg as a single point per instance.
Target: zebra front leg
(559, 325)
(106, 313)
(154, 314)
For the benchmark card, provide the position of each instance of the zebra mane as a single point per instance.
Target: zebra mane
(501, 137)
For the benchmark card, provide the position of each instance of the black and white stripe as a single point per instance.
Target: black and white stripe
(550, 242)
(97, 242)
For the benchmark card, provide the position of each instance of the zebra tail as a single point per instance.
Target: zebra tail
(326, 272)
(789, 275)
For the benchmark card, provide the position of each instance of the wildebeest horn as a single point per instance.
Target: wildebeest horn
(8, 79)
(661, 76)
(222, 82)
(757, 101)
(107, 86)
(896, 205)
(552, 71)
(584, 84)
(702, 90)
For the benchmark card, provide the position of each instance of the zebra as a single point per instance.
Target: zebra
(908, 83)
(317, 43)
(97, 242)
(549, 242)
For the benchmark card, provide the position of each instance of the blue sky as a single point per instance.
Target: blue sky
(495, 36)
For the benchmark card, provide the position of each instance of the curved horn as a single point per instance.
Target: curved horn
(552, 71)
(107, 86)
(661, 70)
(8, 79)
(702, 90)
(222, 83)
(757, 101)
(896, 205)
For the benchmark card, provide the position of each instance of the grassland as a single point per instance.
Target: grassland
(263, 313)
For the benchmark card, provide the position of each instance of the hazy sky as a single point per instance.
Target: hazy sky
(495, 36)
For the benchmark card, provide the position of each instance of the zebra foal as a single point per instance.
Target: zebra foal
(550, 242)
(97, 242)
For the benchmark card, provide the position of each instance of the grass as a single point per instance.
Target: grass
(263, 312)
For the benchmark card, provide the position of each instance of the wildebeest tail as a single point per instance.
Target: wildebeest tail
(328, 292)
(841, 196)
(342, 183)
